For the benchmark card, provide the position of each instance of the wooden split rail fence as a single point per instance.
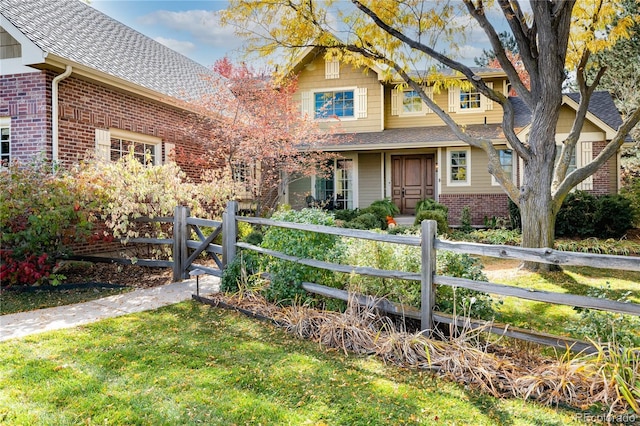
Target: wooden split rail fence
(184, 258)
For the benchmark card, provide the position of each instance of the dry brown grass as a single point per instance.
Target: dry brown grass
(610, 378)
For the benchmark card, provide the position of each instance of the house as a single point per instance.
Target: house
(75, 80)
(399, 149)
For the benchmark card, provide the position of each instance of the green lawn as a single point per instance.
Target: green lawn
(575, 280)
(192, 364)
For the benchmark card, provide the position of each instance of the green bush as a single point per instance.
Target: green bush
(438, 215)
(586, 215)
(577, 216)
(514, 215)
(607, 327)
(431, 204)
(287, 277)
(465, 220)
(41, 214)
(474, 304)
(365, 221)
(614, 216)
(399, 257)
(389, 207)
(240, 273)
(345, 215)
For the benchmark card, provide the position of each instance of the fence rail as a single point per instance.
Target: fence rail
(186, 251)
(429, 245)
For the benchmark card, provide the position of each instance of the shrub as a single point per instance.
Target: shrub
(614, 216)
(287, 277)
(240, 273)
(585, 215)
(399, 257)
(431, 204)
(607, 327)
(41, 214)
(438, 215)
(514, 215)
(365, 221)
(462, 301)
(465, 220)
(389, 207)
(345, 215)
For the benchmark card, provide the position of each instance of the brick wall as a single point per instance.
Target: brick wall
(26, 98)
(480, 206)
(85, 106)
(602, 179)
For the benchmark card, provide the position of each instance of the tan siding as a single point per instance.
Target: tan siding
(312, 78)
(9, 46)
(298, 190)
(369, 178)
(565, 122)
(480, 177)
(442, 99)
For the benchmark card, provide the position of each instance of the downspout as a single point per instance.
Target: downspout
(54, 112)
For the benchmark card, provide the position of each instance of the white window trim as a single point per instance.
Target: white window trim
(103, 142)
(486, 104)
(354, 178)
(5, 122)
(514, 160)
(397, 103)
(358, 103)
(467, 182)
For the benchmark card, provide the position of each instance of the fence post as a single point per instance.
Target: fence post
(180, 237)
(427, 291)
(229, 233)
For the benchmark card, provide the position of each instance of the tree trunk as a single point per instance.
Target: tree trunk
(536, 203)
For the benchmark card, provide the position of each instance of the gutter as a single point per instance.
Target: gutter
(54, 112)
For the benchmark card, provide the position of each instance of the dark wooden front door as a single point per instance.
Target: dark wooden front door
(412, 180)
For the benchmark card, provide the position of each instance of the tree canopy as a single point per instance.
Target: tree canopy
(414, 39)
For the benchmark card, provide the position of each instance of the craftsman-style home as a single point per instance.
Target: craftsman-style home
(399, 149)
(74, 80)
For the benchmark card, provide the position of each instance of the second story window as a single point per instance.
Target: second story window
(470, 99)
(411, 102)
(334, 104)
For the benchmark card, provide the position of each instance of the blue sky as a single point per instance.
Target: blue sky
(192, 27)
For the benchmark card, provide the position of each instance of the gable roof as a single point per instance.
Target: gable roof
(601, 111)
(78, 33)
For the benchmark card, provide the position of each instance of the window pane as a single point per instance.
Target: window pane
(411, 101)
(506, 161)
(469, 99)
(458, 166)
(334, 104)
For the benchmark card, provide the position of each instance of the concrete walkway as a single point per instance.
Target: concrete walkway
(25, 323)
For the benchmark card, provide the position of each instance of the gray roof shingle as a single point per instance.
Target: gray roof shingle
(76, 31)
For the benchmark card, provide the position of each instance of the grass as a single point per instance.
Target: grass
(190, 364)
(21, 301)
(575, 280)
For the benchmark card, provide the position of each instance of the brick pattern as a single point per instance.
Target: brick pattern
(602, 178)
(480, 206)
(83, 107)
(26, 98)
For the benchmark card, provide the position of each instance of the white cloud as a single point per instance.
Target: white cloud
(202, 25)
(184, 47)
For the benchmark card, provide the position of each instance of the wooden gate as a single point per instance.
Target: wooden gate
(186, 251)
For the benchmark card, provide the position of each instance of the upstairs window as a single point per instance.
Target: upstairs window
(334, 104)
(411, 102)
(470, 99)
